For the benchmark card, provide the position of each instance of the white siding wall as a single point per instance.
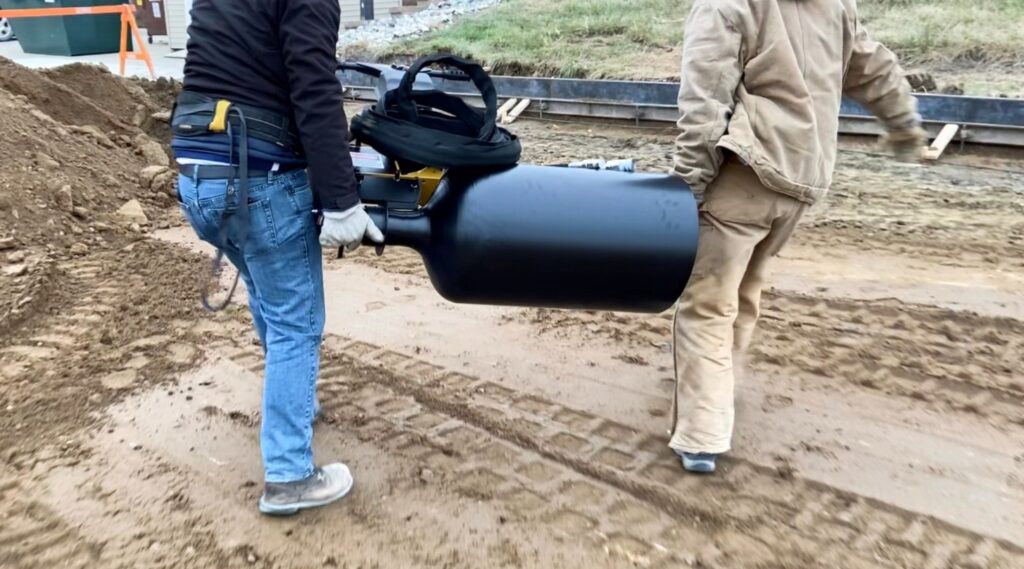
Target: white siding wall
(177, 22)
(178, 17)
(382, 8)
(350, 11)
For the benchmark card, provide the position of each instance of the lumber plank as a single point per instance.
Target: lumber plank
(941, 141)
(518, 110)
(505, 108)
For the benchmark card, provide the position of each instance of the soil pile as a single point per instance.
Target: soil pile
(73, 178)
(129, 101)
(81, 184)
(65, 105)
(161, 91)
(102, 87)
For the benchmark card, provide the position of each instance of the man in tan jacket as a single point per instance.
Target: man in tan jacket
(762, 81)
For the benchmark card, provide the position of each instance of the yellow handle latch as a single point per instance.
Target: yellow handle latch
(220, 116)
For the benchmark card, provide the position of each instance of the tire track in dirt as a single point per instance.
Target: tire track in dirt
(119, 322)
(35, 535)
(965, 361)
(556, 469)
(950, 358)
(32, 536)
(460, 463)
(959, 360)
(480, 466)
(21, 354)
(949, 213)
(534, 482)
(116, 322)
(23, 299)
(810, 522)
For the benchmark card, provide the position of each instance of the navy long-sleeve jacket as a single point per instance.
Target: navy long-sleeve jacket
(279, 55)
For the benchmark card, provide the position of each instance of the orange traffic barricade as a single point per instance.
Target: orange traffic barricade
(127, 12)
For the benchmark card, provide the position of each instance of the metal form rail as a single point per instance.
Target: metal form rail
(982, 120)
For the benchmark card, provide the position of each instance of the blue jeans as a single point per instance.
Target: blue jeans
(281, 266)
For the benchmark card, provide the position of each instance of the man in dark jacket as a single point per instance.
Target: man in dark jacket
(270, 64)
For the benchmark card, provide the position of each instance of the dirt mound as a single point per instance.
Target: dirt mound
(60, 102)
(72, 179)
(161, 95)
(120, 97)
(162, 91)
(128, 100)
(57, 181)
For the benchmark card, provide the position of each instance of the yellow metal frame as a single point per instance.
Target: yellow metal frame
(429, 179)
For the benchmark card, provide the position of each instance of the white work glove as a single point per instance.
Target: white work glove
(347, 229)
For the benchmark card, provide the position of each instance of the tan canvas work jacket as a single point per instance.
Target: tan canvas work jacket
(764, 79)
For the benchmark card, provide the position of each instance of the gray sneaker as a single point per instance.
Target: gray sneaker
(327, 484)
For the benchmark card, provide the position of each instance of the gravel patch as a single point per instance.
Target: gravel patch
(379, 33)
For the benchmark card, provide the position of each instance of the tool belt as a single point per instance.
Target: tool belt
(198, 115)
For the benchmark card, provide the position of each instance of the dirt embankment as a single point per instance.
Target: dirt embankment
(74, 177)
(142, 103)
(66, 105)
(161, 91)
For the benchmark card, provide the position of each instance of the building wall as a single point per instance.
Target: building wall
(382, 8)
(177, 22)
(350, 9)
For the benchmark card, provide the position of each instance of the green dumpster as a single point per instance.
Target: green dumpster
(67, 35)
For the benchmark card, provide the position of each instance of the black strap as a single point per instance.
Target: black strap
(434, 128)
(468, 121)
(405, 100)
(235, 220)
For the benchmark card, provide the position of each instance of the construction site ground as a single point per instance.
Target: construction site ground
(880, 413)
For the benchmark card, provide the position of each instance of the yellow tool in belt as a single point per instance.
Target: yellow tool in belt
(220, 116)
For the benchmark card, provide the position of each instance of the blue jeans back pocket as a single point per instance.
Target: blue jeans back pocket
(292, 207)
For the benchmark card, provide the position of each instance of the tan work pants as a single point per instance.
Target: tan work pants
(742, 225)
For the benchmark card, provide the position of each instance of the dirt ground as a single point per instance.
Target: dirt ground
(880, 421)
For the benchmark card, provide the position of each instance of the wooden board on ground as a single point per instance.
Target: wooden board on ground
(518, 110)
(505, 108)
(941, 141)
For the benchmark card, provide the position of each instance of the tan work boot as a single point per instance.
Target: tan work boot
(327, 484)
